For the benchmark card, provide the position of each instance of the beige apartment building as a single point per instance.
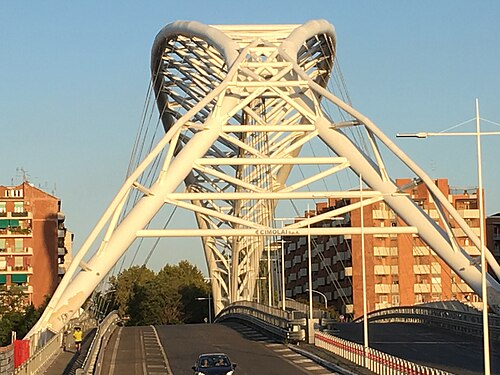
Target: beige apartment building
(34, 242)
(400, 269)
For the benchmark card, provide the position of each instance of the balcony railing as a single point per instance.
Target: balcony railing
(15, 232)
(16, 270)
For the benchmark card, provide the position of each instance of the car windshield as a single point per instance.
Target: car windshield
(213, 361)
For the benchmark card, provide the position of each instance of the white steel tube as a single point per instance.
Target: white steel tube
(363, 268)
(484, 285)
(272, 232)
(309, 268)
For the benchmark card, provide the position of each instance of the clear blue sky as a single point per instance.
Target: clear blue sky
(74, 76)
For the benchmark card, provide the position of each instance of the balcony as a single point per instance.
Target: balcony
(421, 269)
(382, 288)
(383, 214)
(382, 270)
(385, 251)
(419, 251)
(382, 305)
(469, 214)
(436, 288)
(472, 250)
(21, 251)
(421, 288)
(348, 271)
(461, 288)
(61, 251)
(458, 232)
(61, 233)
(15, 232)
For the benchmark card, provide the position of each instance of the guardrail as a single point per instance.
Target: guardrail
(374, 360)
(104, 331)
(470, 323)
(289, 325)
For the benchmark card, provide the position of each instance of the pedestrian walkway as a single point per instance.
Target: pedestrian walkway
(67, 362)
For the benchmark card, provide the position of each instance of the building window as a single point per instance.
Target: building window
(18, 263)
(3, 245)
(3, 263)
(18, 244)
(3, 207)
(18, 207)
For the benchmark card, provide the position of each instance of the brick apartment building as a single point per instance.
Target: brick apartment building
(400, 268)
(34, 243)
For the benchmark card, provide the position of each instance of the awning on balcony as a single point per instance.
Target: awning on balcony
(19, 278)
(5, 223)
(3, 279)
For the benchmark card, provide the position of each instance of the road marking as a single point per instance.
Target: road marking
(305, 360)
(115, 352)
(167, 364)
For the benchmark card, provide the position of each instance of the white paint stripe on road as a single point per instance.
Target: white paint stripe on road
(115, 352)
(167, 364)
(305, 360)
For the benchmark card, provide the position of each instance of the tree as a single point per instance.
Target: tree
(168, 297)
(126, 283)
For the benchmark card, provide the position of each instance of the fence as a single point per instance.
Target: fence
(48, 348)
(374, 360)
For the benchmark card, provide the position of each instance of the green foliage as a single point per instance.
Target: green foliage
(168, 297)
(126, 283)
(14, 318)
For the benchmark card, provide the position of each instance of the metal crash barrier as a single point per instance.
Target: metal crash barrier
(287, 325)
(467, 322)
(91, 364)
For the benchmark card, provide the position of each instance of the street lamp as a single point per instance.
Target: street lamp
(209, 299)
(484, 291)
(322, 294)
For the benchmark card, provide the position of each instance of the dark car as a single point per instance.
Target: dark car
(214, 364)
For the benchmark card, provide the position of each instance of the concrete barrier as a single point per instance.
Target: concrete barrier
(7, 360)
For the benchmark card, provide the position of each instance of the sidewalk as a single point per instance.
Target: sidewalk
(67, 362)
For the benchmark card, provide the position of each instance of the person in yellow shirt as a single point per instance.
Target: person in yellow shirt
(78, 336)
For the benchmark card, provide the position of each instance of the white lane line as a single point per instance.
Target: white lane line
(315, 368)
(292, 355)
(115, 352)
(305, 360)
(143, 354)
(167, 364)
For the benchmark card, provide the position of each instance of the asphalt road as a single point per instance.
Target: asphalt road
(433, 347)
(252, 352)
(174, 349)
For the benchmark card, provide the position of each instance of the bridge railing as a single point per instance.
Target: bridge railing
(374, 360)
(460, 321)
(285, 324)
(104, 330)
(44, 348)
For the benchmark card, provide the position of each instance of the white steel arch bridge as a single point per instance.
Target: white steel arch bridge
(239, 104)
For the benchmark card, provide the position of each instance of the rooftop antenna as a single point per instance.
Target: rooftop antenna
(24, 173)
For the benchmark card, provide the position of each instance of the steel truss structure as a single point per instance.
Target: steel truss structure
(238, 104)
